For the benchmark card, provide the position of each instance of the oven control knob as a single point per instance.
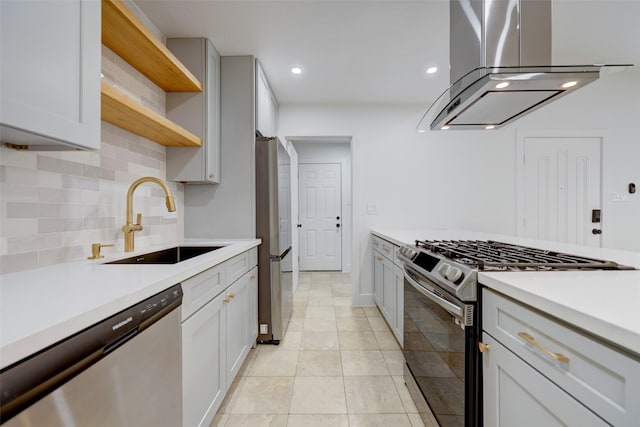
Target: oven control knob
(454, 274)
(444, 270)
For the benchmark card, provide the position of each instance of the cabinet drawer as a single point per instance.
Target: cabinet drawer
(201, 288)
(377, 243)
(253, 257)
(388, 249)
(237, 266)
(603, 379)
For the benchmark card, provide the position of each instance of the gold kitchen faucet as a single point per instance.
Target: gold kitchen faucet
(130, 228)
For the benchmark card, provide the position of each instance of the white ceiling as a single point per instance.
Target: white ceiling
(350, 51)
(376, 51)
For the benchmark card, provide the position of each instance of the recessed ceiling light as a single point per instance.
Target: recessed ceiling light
(296, 70)
(569, 84)
(502, 85)
(432, 70)
(444, 127)
(490, 127)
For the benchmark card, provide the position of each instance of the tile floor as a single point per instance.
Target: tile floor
(337, 366)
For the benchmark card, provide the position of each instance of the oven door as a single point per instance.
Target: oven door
(439, 349)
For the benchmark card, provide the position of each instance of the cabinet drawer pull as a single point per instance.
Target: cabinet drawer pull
(231, 295)
(529, 339)
(379, 258)
(387, 250)
(483, 347)
(227, 299)
(253, 276)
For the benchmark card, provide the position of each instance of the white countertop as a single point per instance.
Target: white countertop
(42, 306)
(603, 303)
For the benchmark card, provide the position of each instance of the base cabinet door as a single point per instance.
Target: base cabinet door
(203, 364)
(252, 307)
(398, 327)
(378, 278)
(515, 394)
(236, 302)
(388, 306)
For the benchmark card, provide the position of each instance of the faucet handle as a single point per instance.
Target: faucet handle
(95, 250)
(138, 219)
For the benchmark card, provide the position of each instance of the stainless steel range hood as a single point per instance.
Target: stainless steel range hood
(498, 52)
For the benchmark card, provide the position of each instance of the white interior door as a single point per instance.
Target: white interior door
(562, 185)
(320, 214)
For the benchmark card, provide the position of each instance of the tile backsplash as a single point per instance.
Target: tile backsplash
(55, 204)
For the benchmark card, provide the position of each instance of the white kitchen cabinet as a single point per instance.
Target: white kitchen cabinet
(266, 105)
(220, 324)
(515, 394)
(252, 308)
(552, 372)
(198, 112)
(203, 363)
(236, 310)
(388, 285)
(50, 74)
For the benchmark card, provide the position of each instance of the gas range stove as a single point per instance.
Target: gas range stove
(453, 264)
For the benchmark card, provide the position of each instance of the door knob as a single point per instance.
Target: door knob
(338, 217)
(299, 225)
(338, 225)
(596, 231)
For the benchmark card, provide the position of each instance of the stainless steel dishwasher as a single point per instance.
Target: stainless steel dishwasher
(122, 371)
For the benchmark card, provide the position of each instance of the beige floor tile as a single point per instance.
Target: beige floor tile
(300, 312)
(273, 362)
(342, 301)
(320, 312)
(372, 395)
(341, 290)
(379, 420)
(319, 325)
(386, 340)
(342, 311)
(405, 397)
(232, 395)
(320, 341)
(265, 420)
(363, 362)
(372, 311)
(324, 420)
(318, 395)
(320, 301)
(363, 340)
(394, 360)
(264, 395)
(353, 324)
(219, 420)
(418, 420)
(378, 323)
(295, 325)
(320, 292)
(291, 341)
(248, 362)
(319, 363)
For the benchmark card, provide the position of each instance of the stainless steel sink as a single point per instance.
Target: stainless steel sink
(167, 256)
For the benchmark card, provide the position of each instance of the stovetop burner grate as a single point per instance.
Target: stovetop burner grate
(490, 255)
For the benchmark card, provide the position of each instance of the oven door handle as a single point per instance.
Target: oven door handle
(448, 306)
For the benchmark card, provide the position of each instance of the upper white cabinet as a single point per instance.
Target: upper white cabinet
(50, 74)
(198, 112)
(266, 105)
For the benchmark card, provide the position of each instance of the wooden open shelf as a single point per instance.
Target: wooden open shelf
(125, 112)
(125, 34)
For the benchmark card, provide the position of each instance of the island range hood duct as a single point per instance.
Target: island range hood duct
(498, 49)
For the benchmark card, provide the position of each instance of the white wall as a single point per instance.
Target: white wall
(467, 179)
(319, 151)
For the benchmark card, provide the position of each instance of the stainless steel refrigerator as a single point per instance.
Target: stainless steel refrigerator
(273, 226)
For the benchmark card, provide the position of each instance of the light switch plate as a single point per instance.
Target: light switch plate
(372, 209)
